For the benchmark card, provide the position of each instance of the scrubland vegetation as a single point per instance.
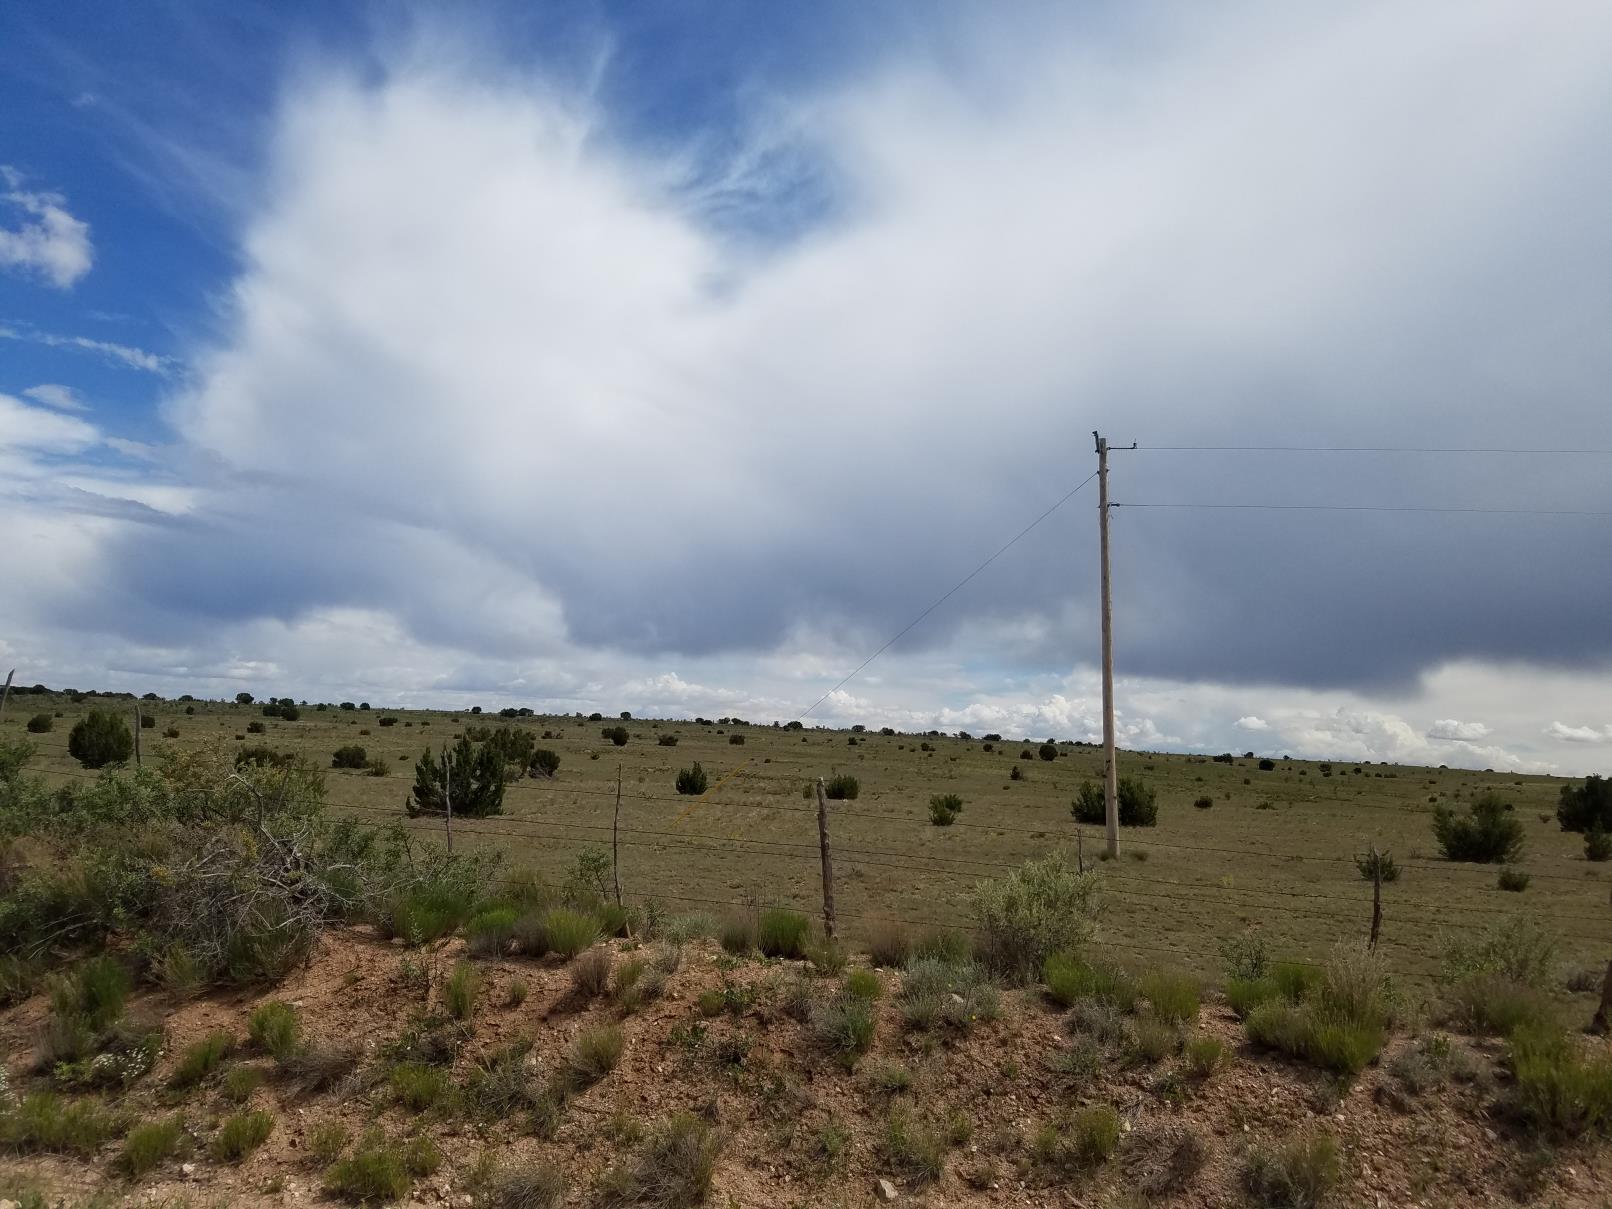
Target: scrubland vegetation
(216, 984)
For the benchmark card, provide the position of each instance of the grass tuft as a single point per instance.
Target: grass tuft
(782, 933)
(594, 1054)
(273, 1027)
(459, 993)
(1299, 1174)
(150, 1144)
(202, 1058)
(672, 1170)
(241, 1134)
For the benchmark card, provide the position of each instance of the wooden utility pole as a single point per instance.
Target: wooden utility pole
(1110, 772)
(137, 735)
(615, 844)
(828, 863)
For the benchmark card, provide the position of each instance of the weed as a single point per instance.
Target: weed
(916, 1149)
(594, 1054)
(421, 1156)
(697, 925)
(150, 1144)
(241, 1081)
(1174, 996)
(590, 973)
(672, 1170)
(737, 934)
(1080, 1060)
(889, 943)
(1170, 1157)
(1494, 1005)
(418, 1087)
(327, 1140)
(503, 1082)
(375, 1171)
(1296, 1175)
(320, 1065)
(569, 932)
(891, 1078)
(844, 1024)
(1513, 880)
(863, 984)
(1518, 948)
(532, 1185)
(1042, 907)
(1070, 979)
(491, 931)
(516, 995)
(1152, 1040)
(240, 1135)
(828, 957)
(202, 1058)
(1559, 1090)
(781, 933)
(1203, 1056)
(273, 1027)
(1099, 1020)
(43, 1121)
(460, 991)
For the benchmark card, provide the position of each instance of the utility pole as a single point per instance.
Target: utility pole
(1110, 773)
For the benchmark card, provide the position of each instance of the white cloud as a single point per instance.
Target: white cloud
(63, 398)
(48, 241)
(1578, 734)
(122, 354)
(30, 428)
(1451, 728)
(1250, 722)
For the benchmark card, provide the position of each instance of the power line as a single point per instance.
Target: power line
(1366, 449)
(1372, 508)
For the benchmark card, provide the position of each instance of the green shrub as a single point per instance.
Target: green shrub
(828, 957)
(544, 763)
(149, 1144)
(616, 734)
(1513, 880)
(1138, 804)
(274, 1028)
(672, 1170)
(256, 728)
(1559, 1090)
(1518, 948)
(918, 1150)
(569, 932)
(202, 1058)
(476, 787)
(1071, 979)
(1299, 1174)
(692, 781)
(491, 931)
(863, 984)
(1341, 1025)
(241, 1134)
(1048, 752)
(782, 933)
(421, 1156)
(1586, 807)
(417, 1086)
(351, 756)
(327, 1140)
(844, 1024)
(374, 1172)
(241, 1081)
(954, 995)
(1243, 995)
(43, 1121)
(427, 910)
(502, 1082)
(1094, 1134)
(590, 973)
(1486, 834)
(100, 738)
(1042, 907)
(1597, 844)
(943, 944)
(41, 724)
(594, 1054)
(1174, 996)
(1151, 1040)
(1203, 1056)
(460, 991)
(1205, 802)
(1493, 1005)
(738, 933)
(842, 788)
(889, 943)
(667, 740)
(944, 809)
(1376, 864)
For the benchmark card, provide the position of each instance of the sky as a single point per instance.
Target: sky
(674, 357)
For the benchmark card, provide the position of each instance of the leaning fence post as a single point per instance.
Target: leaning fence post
(447, 797)
(137, 735)
(1603, 1013)
(828, 863)
(6, 694)
(615, 844)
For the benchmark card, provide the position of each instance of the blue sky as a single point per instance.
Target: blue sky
(670, 357)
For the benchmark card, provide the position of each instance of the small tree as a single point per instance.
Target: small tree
(667, 740)
(1486, 834)
(692, 781)
(1138, 804)
(470, 777)
(616, 734)
(41, 724)
(1597, 844)
(99, 739)
(243, 698)
(544, 763)
(843, 788)
(944, 809)
(1048, 751)
(352, 756)
(1375, 864)
(1587, 805)
(289, 713)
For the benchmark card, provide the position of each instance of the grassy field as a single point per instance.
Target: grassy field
(1275, 851)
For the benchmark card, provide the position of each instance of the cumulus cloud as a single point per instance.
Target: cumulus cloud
(1250, 722)
(47, 241)
(1578, 734)
(1451, 728)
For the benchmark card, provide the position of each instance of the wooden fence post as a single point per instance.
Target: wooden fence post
(615, 846)
(1376, 898)
(447, 797)
(6, 694)
(1603, 1013)
(137, 734)
(828, 863)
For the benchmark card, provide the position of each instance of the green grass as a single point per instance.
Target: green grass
(150, 1144)
(44, 1121)
(418, 1087)
(1561, 1090)
(1299, 1174)
(490, 932)
(594, 1054)
(460, 991)
(1203, 1056)
(1070, 979)
(1174, 996)
(274, 1029)
(241, 1134)
(529, 1185)
(672, 1169)
(844, 1025)
(569, 932)
(327, 1140)
(202, 1058)
(863, 984)
(376, 1171)
(781, 933)
(241, 1081)
(1004, 822)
